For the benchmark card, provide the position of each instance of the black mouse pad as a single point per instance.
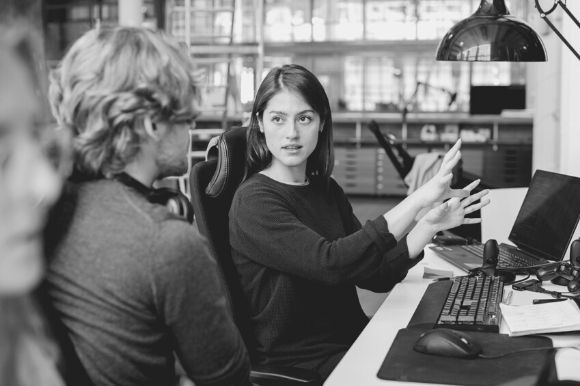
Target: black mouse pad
(402, 363)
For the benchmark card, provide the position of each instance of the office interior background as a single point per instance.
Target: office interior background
(376, 60)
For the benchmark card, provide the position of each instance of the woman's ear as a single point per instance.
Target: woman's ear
(261, 125)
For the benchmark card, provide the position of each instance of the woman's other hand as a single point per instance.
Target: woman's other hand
(452, 213)
(438, 188)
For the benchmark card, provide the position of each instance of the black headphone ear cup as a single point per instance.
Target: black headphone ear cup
(175, 201)
(181, 206)
(575, 253)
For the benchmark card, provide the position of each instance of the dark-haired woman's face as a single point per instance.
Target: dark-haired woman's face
(29, 184)
(291, 127)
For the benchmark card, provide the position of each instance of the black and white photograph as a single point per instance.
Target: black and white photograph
(289, 192)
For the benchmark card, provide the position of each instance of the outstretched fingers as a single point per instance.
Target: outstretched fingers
(452, 152)
(465, 191)
(478, 206)
(469, 207)
(474, 197)
(472, 185)
(449, 163)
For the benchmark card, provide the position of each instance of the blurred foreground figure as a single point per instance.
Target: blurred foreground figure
(29, 184)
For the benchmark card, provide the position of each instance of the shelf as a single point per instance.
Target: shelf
(395, 117)
(386, 117)
(349, 47)
(224, 49)
(419, 143)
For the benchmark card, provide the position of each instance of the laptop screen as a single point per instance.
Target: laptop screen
(548, 216)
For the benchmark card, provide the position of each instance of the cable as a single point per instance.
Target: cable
(524, 350)
(555, 294)
(515, 352)
(521, 280)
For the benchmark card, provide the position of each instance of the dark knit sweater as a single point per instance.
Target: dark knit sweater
(300, 251)
(134, 285)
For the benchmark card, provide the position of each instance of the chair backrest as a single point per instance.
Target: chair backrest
(213, 184)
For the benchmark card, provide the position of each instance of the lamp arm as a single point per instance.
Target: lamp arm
(544, 16)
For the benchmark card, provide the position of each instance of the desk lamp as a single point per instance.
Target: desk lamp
(491, 34)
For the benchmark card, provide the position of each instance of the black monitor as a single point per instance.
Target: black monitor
(548, 216)
(494, 99)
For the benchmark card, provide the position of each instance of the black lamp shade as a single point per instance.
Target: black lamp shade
(491, 35)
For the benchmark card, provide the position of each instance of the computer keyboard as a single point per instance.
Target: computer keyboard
(472, 304)
(506, 258)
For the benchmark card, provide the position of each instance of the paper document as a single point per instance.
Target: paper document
(434, 273)
(541, 318)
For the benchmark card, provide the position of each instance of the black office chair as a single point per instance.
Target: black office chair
(213, 184)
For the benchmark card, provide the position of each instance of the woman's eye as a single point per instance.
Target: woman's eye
(276, 119)
(305, 119)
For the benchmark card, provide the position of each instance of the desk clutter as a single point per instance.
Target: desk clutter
(404, 363)
(433, 349)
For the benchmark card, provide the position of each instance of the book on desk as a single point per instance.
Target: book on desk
(554, 317)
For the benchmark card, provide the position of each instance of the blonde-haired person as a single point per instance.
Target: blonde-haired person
(29, 185)
(133, 283)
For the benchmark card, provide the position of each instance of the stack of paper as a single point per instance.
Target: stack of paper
(541, 318)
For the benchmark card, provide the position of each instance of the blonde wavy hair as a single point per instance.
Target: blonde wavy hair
(109, 82)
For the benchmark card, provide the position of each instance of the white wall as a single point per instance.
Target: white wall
(555, 89)
(130, 12)
(570, 97)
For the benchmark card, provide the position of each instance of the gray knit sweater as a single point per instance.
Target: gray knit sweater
(135, 285)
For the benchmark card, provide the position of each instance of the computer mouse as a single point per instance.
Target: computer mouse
(447, 342)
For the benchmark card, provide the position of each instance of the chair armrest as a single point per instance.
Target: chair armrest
(283, 376)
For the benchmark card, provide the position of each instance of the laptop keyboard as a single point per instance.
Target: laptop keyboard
(506, 258)
(472, 304)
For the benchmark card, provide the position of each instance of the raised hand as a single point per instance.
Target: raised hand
(452, 213)
(467, 189)
(438, 188)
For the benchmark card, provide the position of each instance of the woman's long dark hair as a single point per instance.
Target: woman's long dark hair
(298, 79)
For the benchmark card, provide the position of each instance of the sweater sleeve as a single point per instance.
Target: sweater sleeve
(189, 295)
(396, 262)
(264, 228)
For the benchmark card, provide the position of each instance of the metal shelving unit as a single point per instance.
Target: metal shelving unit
(209, 29)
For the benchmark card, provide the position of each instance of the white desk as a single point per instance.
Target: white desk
(362, 362)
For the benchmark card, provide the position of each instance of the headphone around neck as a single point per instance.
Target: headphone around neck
(175, 201)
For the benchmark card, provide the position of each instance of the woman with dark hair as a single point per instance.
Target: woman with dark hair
(296, 243)
(301, 81)
(30, 184)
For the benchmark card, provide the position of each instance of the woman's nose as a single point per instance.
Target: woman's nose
(292, 130)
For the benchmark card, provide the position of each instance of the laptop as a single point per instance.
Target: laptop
(541, 232)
